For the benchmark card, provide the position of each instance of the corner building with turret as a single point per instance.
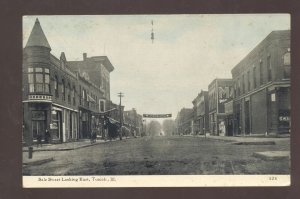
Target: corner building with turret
(65, 98)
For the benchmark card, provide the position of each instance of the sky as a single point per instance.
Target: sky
(188, 52)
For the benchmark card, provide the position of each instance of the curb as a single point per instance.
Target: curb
(38, 162)
(255, 143)
(69, 149)
(262, 156)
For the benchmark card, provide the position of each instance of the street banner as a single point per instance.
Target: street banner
(157, 115)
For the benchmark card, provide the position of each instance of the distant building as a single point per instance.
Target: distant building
(184, 121)
(134, 122)
(63, 97)
(262, 87)
(200, 109)
(219, 91)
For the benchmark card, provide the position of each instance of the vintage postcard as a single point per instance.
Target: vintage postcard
(193, 100)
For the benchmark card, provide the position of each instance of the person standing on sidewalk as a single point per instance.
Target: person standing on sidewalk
(39, 140)
(47, 136)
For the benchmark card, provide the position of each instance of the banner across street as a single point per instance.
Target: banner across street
(157, 115)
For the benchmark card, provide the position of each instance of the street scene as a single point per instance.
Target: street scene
(164, 155)
(156, 95)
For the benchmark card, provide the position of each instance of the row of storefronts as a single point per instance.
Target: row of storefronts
(256, 101)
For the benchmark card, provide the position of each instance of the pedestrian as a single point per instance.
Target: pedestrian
(47, 136)
(39, 140)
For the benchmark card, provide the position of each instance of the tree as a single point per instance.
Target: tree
(154, 128)
(168, 127)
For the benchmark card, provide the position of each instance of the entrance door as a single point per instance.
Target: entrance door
(38, 128)
(247, 117)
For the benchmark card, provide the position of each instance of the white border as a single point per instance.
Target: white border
(156, 181)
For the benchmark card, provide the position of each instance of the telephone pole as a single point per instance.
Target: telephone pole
(120, 94)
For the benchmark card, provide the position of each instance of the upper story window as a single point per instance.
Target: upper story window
(287, 64)
(248, 80)
(287, 58)
(69, 93)
(73, 95)
(261, 73)
(254, 77)
(56, 86)
(38, 80)
(63, 90)
(243, 83)
(269, 68)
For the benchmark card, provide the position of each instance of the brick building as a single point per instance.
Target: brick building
(57, 96)
(200, 109)
(134, 122)
(219, 91)
(184, 121)
(262, 87)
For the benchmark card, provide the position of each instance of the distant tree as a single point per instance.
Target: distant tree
(154, 128)
(168, 126)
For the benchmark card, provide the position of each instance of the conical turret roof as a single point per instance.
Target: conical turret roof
(37, 36)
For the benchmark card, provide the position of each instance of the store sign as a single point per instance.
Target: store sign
(225, 93)
(284, 118)
(157, 115)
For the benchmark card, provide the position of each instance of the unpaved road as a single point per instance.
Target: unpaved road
(162, 155)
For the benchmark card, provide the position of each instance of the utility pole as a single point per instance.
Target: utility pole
(120, 94)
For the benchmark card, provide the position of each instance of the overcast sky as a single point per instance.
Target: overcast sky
(188, 52)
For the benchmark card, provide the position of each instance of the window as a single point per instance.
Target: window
(56, 86)
(287, 64)
(248, 79)
(38, 80)
(261, 73)
(73, 95)
(269, 68)
(102, 105)
(287, 58)
(254, 77)
(243, 84)
(69, 93)
(63, 90)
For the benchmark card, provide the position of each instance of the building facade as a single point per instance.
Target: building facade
(134, 122)
(219, 91)
(184, 121)
(200, 109)
(58, 98)
(262, 87)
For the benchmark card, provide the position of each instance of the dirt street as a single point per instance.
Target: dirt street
(163, 155)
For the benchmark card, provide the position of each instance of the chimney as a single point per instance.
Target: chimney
(84, 56)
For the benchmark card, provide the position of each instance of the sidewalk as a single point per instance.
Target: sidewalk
(49, 151)
(246, 140)
(68, 145)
